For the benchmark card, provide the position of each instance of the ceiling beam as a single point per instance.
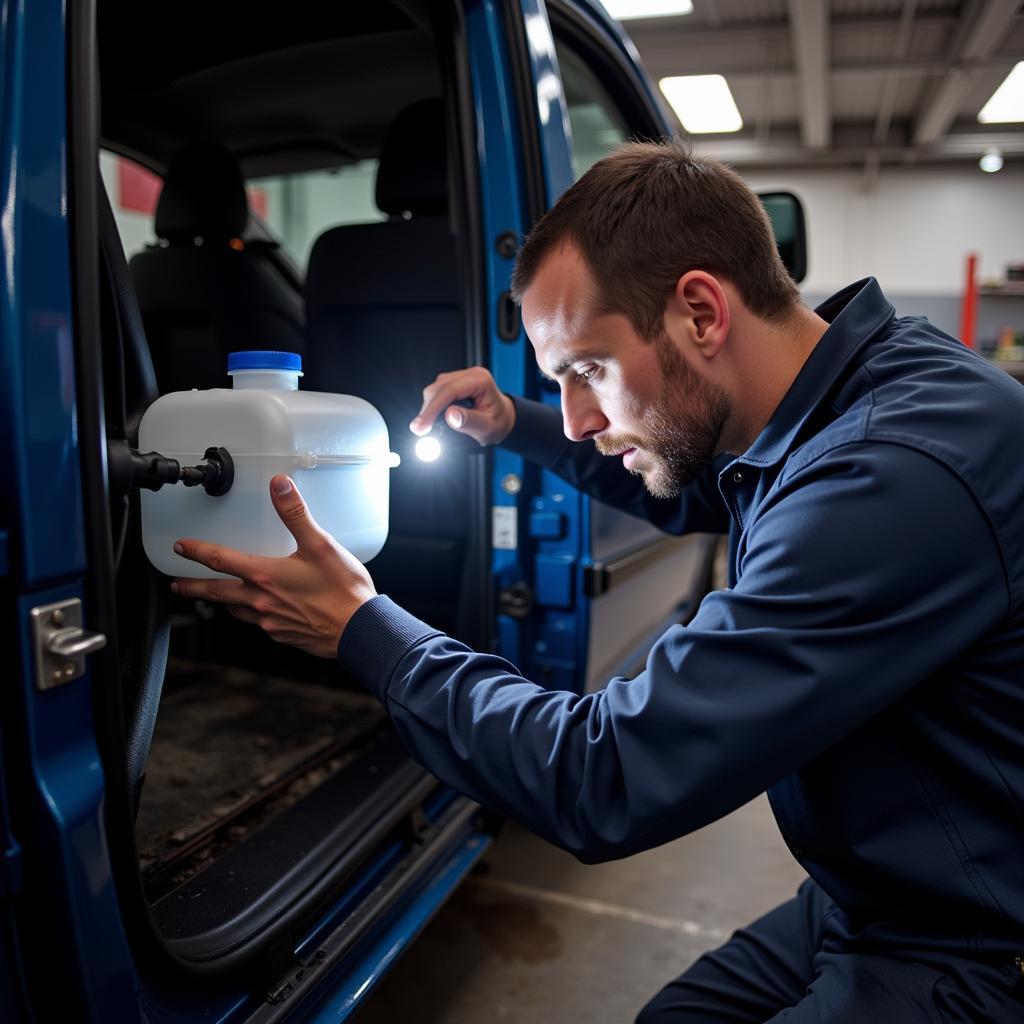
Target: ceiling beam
(660, 65)
(808, 23)
(890, 85)
(850, 146)
(774, 33)
(982, 27)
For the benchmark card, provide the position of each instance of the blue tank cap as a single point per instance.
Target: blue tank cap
(291, 362)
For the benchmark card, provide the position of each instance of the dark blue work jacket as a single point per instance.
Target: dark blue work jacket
(866, 668)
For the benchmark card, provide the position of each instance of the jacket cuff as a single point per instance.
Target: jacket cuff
(538, 434)
(376, 639)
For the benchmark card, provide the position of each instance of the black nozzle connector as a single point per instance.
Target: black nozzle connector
(216, 473)
(129, 470)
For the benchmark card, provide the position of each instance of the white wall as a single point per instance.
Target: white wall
(912, 231)
(136, 229)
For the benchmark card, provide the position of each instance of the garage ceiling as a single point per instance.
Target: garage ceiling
(847, 82)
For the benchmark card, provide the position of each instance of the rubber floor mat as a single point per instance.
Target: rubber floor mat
(227, 737)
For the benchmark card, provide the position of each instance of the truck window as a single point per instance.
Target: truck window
(598, 125)
(299, 207)
(291, 210)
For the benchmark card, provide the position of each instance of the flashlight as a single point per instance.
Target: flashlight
(430, 447)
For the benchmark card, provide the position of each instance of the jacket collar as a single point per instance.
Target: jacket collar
(855, 315)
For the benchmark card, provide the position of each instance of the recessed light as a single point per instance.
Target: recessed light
(1007, 102)
(629, 10)
(704, 103)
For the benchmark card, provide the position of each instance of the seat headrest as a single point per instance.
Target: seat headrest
(413, 162)
(203, 195)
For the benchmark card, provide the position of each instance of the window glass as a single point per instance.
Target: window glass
(292, 209)
(133, 191)
(598, 125)
(298, 208)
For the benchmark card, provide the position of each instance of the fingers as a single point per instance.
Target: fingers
(293, 512)
(466, 421)
(448, 388)
(240, 611)
(233, 592)
(439, 396)
(220, 559)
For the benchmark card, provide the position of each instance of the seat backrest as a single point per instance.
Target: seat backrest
(201, 291)
(383, 318)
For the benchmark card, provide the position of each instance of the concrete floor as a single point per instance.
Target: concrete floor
(535, 937)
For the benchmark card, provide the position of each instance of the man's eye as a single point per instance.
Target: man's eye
(587, 375)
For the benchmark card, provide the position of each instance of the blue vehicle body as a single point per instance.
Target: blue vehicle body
(66, 940)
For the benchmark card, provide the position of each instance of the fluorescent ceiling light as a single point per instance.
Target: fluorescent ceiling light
(625, 10)
(703, 103)
(1007, 102)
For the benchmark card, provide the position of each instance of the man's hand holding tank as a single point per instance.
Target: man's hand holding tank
(489, 421)
(305, 599)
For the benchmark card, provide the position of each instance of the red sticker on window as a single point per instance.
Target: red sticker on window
(138, 189)
(258, 201)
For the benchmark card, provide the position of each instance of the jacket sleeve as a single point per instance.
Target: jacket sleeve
(860, 577)
(538, 436)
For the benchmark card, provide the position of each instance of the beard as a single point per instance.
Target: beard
(681, 429)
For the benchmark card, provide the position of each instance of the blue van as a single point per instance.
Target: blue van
(196, 825)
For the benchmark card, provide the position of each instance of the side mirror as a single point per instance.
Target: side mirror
(786, 213)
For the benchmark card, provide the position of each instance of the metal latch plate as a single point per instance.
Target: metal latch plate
(60, 643)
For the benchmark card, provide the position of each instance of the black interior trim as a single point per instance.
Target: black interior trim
(236, 909)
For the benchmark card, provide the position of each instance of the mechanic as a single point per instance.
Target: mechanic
(866, 665)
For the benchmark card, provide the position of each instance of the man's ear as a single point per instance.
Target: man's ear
(699, 307)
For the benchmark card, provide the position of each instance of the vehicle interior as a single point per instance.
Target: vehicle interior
(265, 783)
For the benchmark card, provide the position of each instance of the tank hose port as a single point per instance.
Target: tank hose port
(215, 474)
(130, 470)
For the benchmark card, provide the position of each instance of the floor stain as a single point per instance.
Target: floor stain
(511, 930)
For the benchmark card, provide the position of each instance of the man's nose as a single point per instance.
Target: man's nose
(581, 417)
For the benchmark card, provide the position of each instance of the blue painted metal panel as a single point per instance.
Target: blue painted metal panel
(504, 209)
(38, 432)
(67, 790)
(546, 525)
(555, 576)
(558, 653)
(364, 975)
(41, 497)
(551, 110)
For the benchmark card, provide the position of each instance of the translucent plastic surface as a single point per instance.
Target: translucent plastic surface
(335, 448)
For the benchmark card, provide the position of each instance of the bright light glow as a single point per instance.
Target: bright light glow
(1007, 102)
(992, 161)
(626, 10)
(394, 460)
(428, 449)
(704, 103)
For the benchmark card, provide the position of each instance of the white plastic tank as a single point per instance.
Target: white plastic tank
(335, 448)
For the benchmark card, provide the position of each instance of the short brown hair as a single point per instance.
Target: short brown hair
(648, 213)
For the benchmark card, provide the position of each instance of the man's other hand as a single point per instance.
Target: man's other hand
(489, 421)
(305, 600)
